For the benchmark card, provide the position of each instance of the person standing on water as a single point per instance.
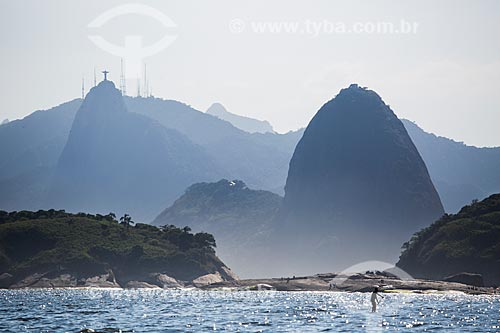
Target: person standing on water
(375, 299)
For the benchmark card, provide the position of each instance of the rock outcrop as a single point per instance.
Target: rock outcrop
(166, 282)
(65, 280)
(466, 278)
(351, 282)
(356, 187)
(207, 279)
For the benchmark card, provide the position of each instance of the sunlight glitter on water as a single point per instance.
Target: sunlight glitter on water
(101, 310)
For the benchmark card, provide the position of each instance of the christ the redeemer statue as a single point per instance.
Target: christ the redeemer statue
(105, 72)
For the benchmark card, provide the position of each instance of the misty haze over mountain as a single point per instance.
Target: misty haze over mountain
(244, 123)
(249, 166)
(357, 187)
(138, 155)
(241, 219)
(31, 148)
(39, 151)
(113, 157)
(310, 244)
(460, 172)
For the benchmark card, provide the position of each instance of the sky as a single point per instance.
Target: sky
(273, 60)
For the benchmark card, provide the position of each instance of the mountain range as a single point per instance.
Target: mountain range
(385, 225)
(31, 147)
(356, 167)
(259, 159)
(461, 173)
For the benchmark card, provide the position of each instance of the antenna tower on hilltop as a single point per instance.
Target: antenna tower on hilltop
(123, 83)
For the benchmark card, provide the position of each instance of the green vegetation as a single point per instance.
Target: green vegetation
(221, 204)
(241, 219)
(126, 220)
(468, 241)
(88, 245)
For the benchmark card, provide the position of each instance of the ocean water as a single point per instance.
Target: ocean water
(104, 310)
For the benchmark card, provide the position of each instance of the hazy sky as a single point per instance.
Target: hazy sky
(445, 75)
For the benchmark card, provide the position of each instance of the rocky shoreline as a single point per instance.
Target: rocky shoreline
(217, 281)
(352, 283)
(110, 280)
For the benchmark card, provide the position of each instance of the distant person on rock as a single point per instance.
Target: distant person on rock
(375, 299)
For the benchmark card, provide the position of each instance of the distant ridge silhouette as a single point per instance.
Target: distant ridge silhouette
(30, 149)
(461, 173)
(246, 124)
